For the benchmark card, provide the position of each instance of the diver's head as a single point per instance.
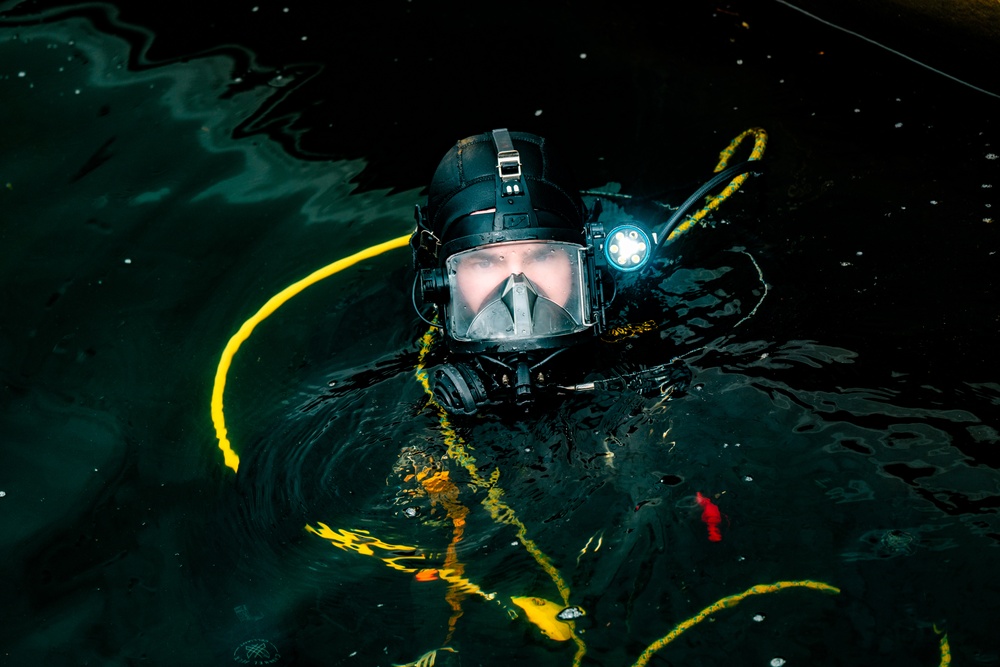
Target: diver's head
(502, 252)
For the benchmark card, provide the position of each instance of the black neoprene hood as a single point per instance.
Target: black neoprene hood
(465, 182)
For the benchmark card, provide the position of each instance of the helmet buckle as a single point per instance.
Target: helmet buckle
(509, 165)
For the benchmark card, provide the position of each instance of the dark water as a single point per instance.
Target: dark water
(167, 169)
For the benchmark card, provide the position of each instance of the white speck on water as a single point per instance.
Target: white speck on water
(739, 62)
(857, 111)
(987, 186)
(22, 74)
(2, 494)
(304, 38)
(992, 156)
(583, 56)
(748, 478)
(777, 662)
(859, 253)
(128, 261)
(285, 10)
(255, 9)
(758, 617)
(514, 543)
(934, 202)
(538, 112)
(76, 92)
(899, 125)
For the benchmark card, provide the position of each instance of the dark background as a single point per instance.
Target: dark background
(874, 226)
(660, 91)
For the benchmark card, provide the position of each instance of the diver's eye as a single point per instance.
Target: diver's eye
(484, 261)
(541, 255)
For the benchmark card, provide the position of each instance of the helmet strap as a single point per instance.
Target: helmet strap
(513, 203)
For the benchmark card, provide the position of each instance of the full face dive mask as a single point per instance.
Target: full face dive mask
(504, 252)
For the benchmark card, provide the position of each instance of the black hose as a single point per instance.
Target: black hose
(721, 177)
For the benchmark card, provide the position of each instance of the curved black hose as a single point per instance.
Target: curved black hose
(721, 177)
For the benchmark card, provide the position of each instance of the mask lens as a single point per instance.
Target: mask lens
(517, 290)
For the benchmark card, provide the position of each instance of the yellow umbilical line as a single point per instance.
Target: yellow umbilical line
(218, 417)
(494, 504)
(760, 143)
(945, 648)
(498, 509)
(397, 556)
(725, 603)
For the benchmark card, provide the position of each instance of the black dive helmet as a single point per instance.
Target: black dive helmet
(504, 251)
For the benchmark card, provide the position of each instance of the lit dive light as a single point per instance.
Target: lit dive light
(627, 248)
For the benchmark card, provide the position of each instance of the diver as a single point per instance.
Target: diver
(517, 272)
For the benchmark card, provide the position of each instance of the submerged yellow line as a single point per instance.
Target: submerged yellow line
(725, 603)
(218, 418)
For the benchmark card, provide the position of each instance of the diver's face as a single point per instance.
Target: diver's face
(480, 273)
